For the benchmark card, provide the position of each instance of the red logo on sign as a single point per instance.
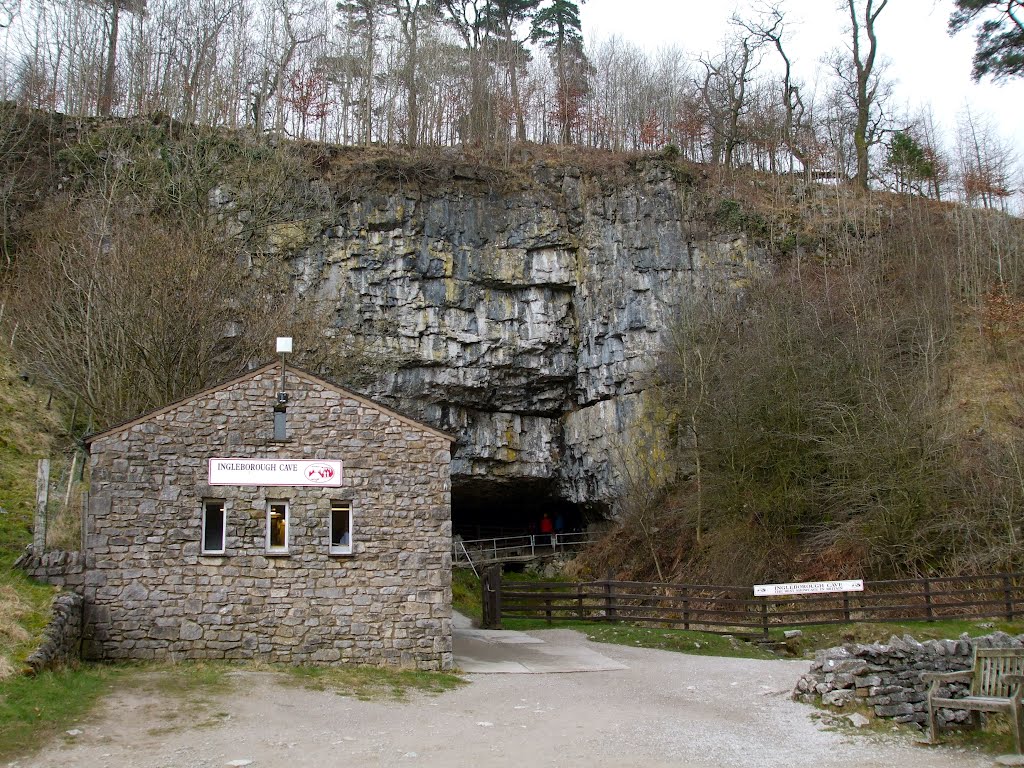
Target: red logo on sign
(320, 473)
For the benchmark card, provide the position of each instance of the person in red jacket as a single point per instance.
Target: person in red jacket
(546, 529)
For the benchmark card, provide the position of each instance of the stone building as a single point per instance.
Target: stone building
(239, 523)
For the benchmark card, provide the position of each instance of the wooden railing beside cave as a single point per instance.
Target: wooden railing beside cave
(735, 610)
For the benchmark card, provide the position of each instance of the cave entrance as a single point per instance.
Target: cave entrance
(487, 509)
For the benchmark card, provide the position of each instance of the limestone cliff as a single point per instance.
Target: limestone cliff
(524, 321)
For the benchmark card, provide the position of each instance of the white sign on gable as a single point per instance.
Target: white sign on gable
(808, 588)
(294, 472)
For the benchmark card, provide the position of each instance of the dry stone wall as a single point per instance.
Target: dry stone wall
(151, 593)
(58, 567)
(62, 639)
(887, 677)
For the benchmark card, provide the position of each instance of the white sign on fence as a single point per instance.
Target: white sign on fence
(292, 472)
(808, 588)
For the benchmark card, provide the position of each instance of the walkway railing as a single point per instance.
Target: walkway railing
(475, 552)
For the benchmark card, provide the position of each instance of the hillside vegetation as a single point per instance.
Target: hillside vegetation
(27, 433)
(860, 413)
(856, 413)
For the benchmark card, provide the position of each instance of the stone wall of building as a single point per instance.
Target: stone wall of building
(150, 593)
(887, 677)
(62, 639)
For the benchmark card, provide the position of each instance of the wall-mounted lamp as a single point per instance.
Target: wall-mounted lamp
(284, 346)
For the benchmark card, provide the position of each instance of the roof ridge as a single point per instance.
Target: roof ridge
(299, 371)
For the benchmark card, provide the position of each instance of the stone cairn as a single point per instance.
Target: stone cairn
(886, 678)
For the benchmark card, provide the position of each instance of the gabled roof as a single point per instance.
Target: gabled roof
(294, 370)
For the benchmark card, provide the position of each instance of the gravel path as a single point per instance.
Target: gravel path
(666, 709)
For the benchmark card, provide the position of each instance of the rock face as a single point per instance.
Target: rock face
(522, 321)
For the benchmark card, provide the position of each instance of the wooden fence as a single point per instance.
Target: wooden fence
(735, 610)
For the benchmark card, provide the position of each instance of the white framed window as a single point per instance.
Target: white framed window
(277, 527)
(214, 527)
(341, 528)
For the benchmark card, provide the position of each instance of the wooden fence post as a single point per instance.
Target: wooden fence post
(929, 614)
(764, 616)
(609, 598)
(1008, 596)
(491, 586)
(42, 494)
(686, 607)
(85, 521)
(486, 606)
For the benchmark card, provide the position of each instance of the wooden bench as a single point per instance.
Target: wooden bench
(997, 685)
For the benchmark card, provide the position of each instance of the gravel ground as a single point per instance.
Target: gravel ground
(666, 709)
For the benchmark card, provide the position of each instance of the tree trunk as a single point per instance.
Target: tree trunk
(563, 96)
(860, 134)
(517, 101)
(107, 96)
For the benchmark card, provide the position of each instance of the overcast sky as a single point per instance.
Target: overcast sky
(927, 64)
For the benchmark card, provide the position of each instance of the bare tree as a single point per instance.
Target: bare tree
(863, 80)
(724, 93)
(411, 15)
(685, 378)
(505, 17)
(986, 163)
(292, 22)
(770, 27)
(936, 155)
(15, 171)
(114, 8)
(128, 312)
(469, 19)
(8, 10)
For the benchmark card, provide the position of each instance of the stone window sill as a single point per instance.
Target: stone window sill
(278, 553)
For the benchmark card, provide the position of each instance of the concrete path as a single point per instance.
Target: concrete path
(497, 651)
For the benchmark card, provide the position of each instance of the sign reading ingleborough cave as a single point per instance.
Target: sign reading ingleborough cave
(292, 472)
(808, 588)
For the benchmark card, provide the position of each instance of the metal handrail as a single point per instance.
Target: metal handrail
(529, 545)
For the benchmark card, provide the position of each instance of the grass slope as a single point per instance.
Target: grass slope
(32, 709)
(35, 709)
(27, 430)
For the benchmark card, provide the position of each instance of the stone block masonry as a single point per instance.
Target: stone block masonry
(152, 593)
(887, 677)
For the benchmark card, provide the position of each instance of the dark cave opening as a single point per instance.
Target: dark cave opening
(488, 508)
